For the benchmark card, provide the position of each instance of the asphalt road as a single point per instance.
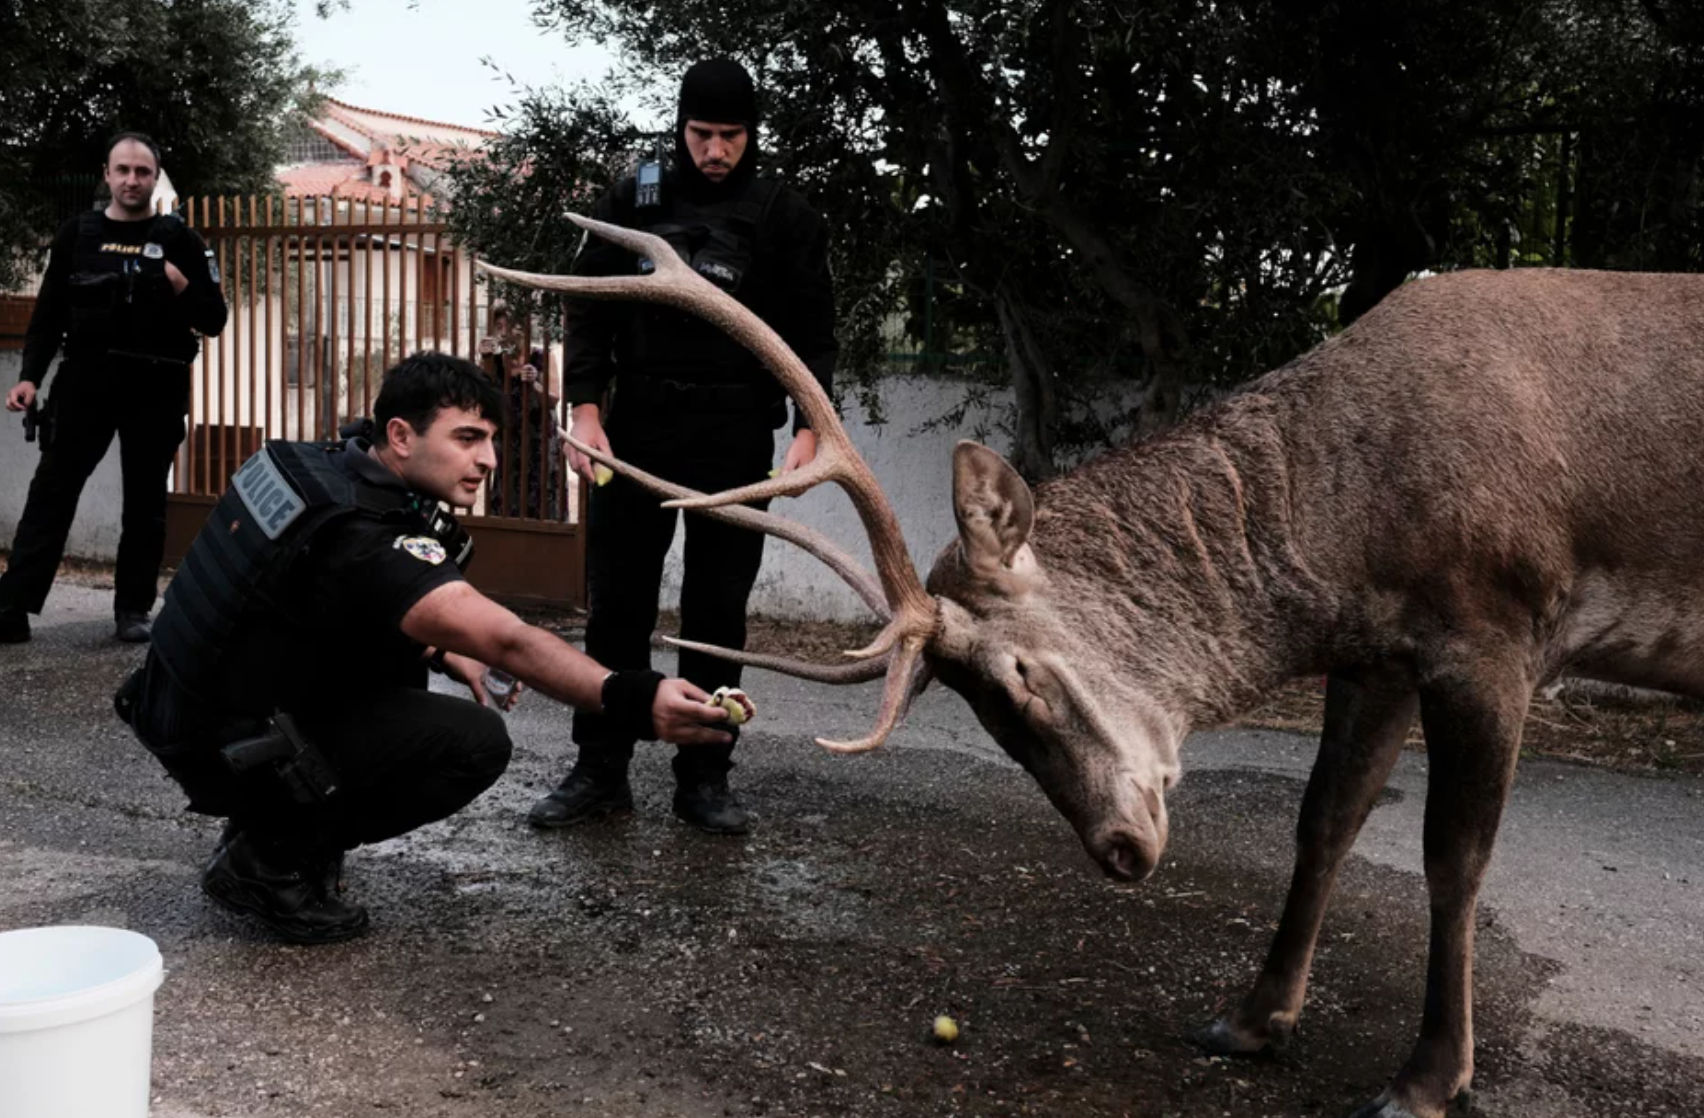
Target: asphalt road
(640, 968)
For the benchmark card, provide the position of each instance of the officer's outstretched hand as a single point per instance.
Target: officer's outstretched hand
(801, 452)
(683, 715)
(465, 669)
(588, 428)
(23, 394)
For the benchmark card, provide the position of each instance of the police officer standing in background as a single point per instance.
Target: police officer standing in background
(128, 294)
(286, 684)
(692, 406)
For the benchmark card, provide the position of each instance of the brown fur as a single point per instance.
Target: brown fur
(1492, 477)
(1489, 479)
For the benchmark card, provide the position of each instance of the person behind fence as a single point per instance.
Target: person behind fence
(531, 450)
(694, 407)
(128, 294)
(285, 687)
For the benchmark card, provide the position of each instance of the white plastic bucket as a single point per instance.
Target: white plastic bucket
(76, 1022)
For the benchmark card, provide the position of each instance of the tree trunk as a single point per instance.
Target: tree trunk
(1385, 254)
(1165, 343)
(1032, 391)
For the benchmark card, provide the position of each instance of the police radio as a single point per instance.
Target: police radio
(443, 527)
(648, 183)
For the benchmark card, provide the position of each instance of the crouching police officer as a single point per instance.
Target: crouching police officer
(286, 684)
(127, 293)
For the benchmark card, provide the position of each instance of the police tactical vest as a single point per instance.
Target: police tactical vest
(118, 294)
(225, 625)
(718, 240)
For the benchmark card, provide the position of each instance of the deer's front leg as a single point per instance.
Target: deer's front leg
(1473, 734)
(1367, 716)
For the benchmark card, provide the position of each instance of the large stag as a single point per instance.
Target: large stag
(1492, 477)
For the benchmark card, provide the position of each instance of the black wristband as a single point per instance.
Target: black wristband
(627, 699)
(436, 662)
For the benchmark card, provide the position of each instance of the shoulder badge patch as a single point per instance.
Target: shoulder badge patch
(153, 251)
(424, 548)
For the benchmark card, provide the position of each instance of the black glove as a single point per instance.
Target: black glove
(627, 699)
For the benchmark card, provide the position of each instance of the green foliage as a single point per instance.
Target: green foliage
(558, 150)
(1078, 196)
(215, 82)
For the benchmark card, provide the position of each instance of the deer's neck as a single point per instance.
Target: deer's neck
(1181, 549)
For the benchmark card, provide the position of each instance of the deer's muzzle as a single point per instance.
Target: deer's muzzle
(1129, 849)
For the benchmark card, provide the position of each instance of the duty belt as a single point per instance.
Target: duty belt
(682, 396)
(151, 360)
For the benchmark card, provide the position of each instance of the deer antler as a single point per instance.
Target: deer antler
(792, 531)
(904, 603)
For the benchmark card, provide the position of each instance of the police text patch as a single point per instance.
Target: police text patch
(269, 498)
(424, 548)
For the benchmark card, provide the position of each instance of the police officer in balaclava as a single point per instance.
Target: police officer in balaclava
(673, 395)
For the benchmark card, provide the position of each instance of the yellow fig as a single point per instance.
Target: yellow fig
(601, 474)
(946, 1029)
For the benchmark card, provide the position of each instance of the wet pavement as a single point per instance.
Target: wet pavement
(636, 967)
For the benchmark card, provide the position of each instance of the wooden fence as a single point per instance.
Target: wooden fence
(325, 295)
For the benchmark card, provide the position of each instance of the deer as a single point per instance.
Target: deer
(1486, 481)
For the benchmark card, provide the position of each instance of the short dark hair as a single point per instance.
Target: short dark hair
(424, 383)
(142, 138)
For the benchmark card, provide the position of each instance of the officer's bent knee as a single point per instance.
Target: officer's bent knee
(489, 745)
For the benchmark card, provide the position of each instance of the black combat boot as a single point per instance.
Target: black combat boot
(702, 796)
(587, 792)
(293, 894)
(14, 626)
(131, 626)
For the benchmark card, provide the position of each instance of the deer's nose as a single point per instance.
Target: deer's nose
(1126, 855)
(1128, 847)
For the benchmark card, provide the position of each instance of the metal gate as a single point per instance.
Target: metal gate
(325, 295)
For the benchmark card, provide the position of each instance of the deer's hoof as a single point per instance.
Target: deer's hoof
(1222, 1038)
(1382, 1107)
(1386, 1107)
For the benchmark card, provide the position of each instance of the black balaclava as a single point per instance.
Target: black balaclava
(717, 91)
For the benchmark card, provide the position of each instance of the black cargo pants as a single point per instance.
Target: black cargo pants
(144, 404)
(402, 757)
(629, 535)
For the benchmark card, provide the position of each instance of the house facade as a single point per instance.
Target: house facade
(373, 156)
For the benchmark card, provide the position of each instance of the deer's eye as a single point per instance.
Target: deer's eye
(1030, 692)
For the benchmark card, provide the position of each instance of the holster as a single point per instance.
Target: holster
(290, 761)
(38, 424)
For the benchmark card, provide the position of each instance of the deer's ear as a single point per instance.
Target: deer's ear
(993, 507)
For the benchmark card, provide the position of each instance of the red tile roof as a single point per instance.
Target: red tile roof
(431, 142)
(431, 124)
(340, 180)
(396, 141)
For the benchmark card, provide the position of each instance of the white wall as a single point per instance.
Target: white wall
(94, 534)
(915, 470)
